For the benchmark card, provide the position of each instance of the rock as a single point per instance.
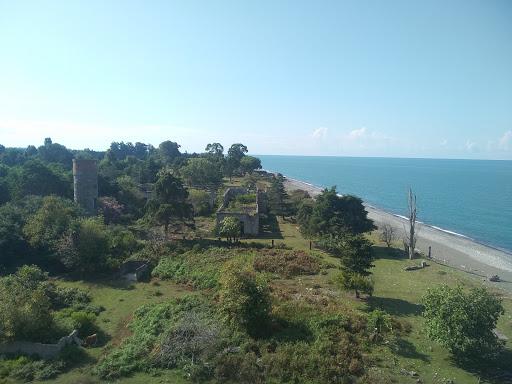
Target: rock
(232, 350)
(494, 278)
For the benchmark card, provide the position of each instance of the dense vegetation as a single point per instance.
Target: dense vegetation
(265, 309)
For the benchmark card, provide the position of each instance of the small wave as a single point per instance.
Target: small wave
(450, 232)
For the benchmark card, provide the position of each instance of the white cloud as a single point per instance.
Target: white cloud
(357, 133)
(320, 133)
(471, 146)
(506, 140)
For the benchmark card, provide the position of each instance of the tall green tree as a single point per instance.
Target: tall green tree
(85, 247)
(170, 201)
(215, 149)
(46, 226)
(235, 154)
(169, 151)
(356, 259)
(248, 164)
(55, 153)
(202, 171)
(13, 217)
(463, 321)
(36, 178)
(278, 199)
(333, 214)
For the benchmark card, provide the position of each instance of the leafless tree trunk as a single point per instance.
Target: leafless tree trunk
(411, 233)
(388, 234)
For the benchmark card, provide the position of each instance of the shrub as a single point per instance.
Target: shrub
(200, 201)
(28, 370)
(230, 228)
(239, 368)
(463, 321)
(86, 246)
(196, 267)
(244, 299)
(148, 324)
(62, 297)
(286, 263)
(25, 305)
(356, 282)
(191, 344)
(84, 322)
(379, 323)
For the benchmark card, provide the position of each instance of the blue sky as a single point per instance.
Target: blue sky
(347, 78)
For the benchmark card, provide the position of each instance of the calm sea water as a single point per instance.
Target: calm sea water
(469, 197)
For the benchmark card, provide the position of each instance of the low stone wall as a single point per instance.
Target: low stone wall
(45, 351)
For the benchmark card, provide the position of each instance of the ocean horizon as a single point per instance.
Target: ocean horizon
(464, 197)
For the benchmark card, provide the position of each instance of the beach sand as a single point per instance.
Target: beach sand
(451, 249)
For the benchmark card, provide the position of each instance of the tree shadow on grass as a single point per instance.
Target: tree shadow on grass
(407, 349)
(393, 306)
(389, 253)
(269, 227)
(498, 371)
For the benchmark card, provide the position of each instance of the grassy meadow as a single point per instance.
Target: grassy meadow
(406, 358)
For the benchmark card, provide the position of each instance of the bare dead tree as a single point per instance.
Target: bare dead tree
(410, 234)
(388, 234)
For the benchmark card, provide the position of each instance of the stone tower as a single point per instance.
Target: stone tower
(85, 183)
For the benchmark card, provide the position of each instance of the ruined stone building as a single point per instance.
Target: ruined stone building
(249, 215)
(85, 184)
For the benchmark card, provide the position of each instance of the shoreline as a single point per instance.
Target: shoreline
(448, 248)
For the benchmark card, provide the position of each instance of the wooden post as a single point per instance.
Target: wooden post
(272, 243)
(429, 252)
(310, 245)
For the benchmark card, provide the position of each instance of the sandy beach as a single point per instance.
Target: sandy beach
(451, 249)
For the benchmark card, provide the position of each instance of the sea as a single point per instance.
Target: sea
(471, 198)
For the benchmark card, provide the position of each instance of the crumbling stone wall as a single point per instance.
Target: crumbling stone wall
(45, 351)
(251, 223)
(249, 220)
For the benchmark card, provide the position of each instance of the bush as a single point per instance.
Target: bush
(379, 323)
(149, 323)
(286, 263)
(230, 228)
(244, 299)
(25, 305)
(62, 297)
(26, 369)
(196, 267)
(191, 344)
(84, 322)
(356, 282)
(85, 247)
(122, 242)
(200, 201)
(463, 321)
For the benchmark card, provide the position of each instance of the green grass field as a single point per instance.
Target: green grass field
(396, 291)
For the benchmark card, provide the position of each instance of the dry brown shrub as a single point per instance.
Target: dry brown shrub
(286, 263)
